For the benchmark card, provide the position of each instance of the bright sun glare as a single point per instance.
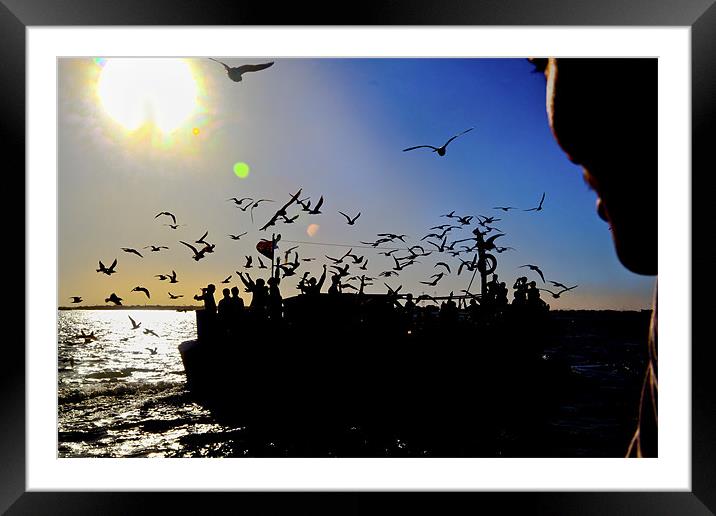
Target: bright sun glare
(137, 91)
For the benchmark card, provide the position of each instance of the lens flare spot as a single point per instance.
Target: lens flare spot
(241, 170)
(312, 229)
(195, 131)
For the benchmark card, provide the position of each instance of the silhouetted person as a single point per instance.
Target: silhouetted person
(520, 288)
(336, 287)
(603, 113)
(224, 310)
(237, 311)
(207, 295)
(502, 294)
(314, 287)
(275, 302)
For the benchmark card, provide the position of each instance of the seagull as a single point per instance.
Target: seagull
(76, 299)
(108, 271)
(437, 277)
(439, 150)
(198, 255)
(316, 209)
(175, 226)
(392, 236)
(444, 265)
(142, 289)
(350, 221)
(557, 294)
(147, 331)
(156, 248)
(534, 268)
(174, 219)
(135, 324)
(255, 205)
(153, 351)
(235, 72)
(249, 259)
(261, 264)
(450, 215)
(172, 277)
(465, 220)
(504, 208)
(161, 277)
(228, 279)
(239, 202)
(132, 251)
(201, 240)
(114, 299)
(236, 237)
(172, 296)
(538, 208)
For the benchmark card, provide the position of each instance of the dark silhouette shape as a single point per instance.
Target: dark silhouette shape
(107, 270)
(142, 289)
(350, 221)
(440, 150)
(198, 255)
(113, 298)
(504, 208)
(155, 248)
(76, 299)
(152, 351)
(228, 279)
(536, 269)
(147, 331)
(207, 295)
(175, 226)
(135, 324)
(539, 206)
(172, 296)
(173, 277)
(237, 237)
(224, 311)
(132, 251)
(317, 208)
(235, 72)
(174, 219)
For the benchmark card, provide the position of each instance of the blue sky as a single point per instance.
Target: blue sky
(334, 127)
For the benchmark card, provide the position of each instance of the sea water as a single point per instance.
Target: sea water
(124, 395)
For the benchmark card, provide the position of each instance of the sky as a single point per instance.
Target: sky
(141, 136)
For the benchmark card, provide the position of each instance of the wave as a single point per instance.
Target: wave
(74, 395)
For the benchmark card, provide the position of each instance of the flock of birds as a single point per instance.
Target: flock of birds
(349, 268)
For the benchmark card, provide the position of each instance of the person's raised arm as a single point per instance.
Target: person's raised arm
(323, 278)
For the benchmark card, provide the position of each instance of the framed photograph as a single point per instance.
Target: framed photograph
(284, 264)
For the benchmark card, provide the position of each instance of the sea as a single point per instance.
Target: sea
(122, 393)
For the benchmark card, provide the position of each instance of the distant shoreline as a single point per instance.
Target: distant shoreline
(132, 307)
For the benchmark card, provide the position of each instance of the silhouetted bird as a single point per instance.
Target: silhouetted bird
(317, 208)
(174, 219)
(228, 279)
(155, 248)
(261, 264)
(534, 268)
(504, 208)
(198, 255)
(153, 351)
(113, 299)
(239, 202)
(76, 299)
(201, 240)
(235, 72)
(108, 271)
(135, 324)
(437, 277)
(161, 277)
(450, 215)
(147, 331)
(392, 236)
(142, 289)
(132, 251)
(249, 259)
(236, 237)
(443, 264)
(349, 220)
(557, 294)
(175, 226)
(439, 150)
(256, 204)
(538, 208)
(172, 296)
(173, 277)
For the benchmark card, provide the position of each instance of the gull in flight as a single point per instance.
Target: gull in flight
(235, 72)
(439, 150)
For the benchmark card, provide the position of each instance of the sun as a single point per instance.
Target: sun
(135, 92)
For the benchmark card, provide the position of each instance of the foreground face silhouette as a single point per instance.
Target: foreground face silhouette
(603, 113)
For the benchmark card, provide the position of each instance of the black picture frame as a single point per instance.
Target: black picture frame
(699, 15)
